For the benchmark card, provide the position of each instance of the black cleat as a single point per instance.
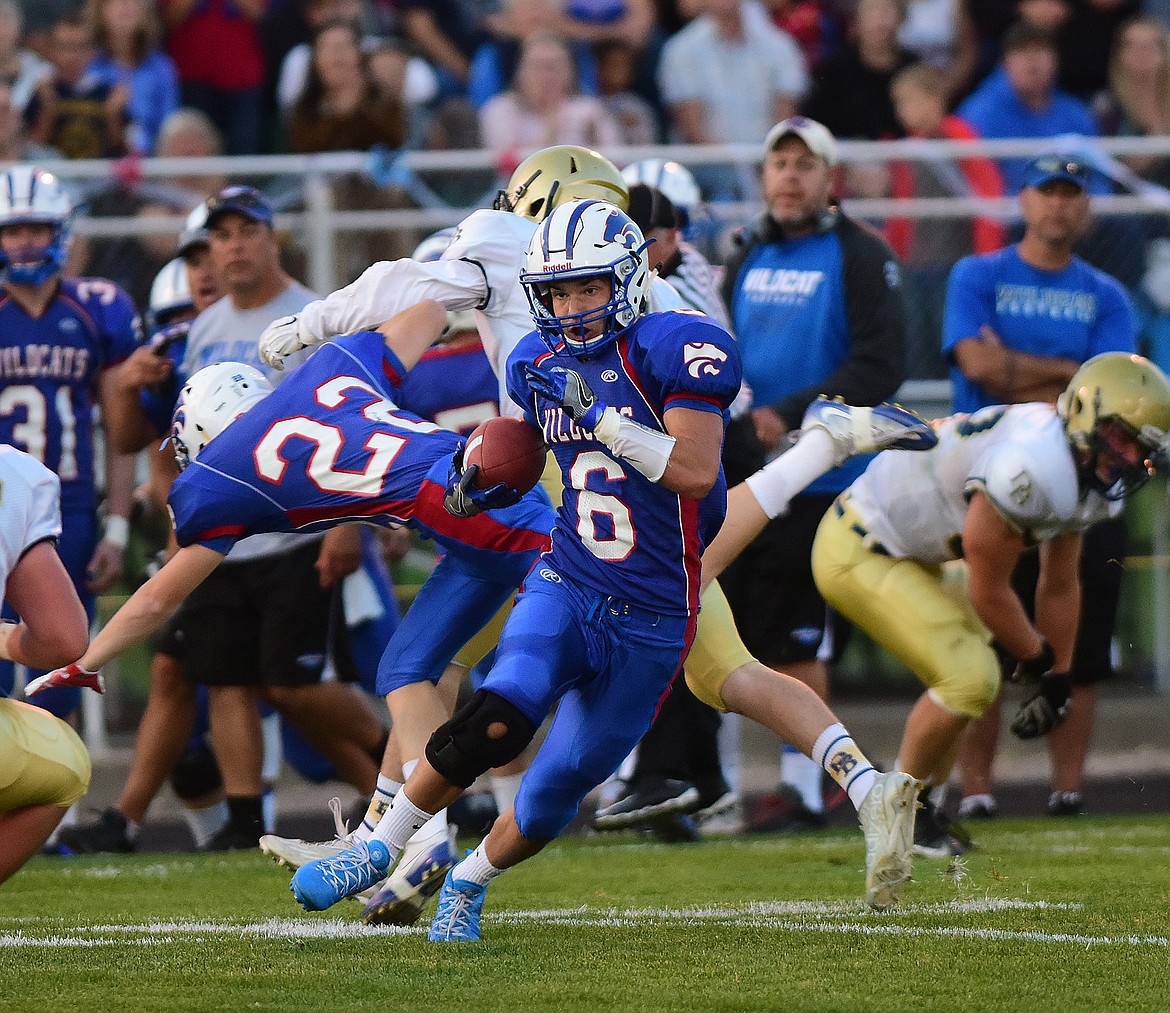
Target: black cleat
(784, 811)
(648, 801)
(1066, 803)
(935, 836)
(108, 833)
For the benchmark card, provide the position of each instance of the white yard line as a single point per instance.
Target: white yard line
(798, 916)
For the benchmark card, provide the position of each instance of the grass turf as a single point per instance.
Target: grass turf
(1046, 916)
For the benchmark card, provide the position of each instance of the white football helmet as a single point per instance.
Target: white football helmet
(672, 180)
(210, 401)
(171, 309)
(31, 195)
(585, 239)
(431, 249)
(195, 231)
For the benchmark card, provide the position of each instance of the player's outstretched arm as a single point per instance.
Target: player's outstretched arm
(55, 629)
(410, 333)
(145, 612)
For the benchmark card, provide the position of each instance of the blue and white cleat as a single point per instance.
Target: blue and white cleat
(857, 430)
(413, 883)
(457, 917)
(321, 884)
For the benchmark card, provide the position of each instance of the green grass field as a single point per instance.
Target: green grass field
(1045, 916)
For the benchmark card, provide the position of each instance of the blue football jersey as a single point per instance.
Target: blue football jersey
(332, 445)
(454, 387)
(49, 370)
(158, 402)
(617, 532)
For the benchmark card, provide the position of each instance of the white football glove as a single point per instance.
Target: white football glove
(282, 338)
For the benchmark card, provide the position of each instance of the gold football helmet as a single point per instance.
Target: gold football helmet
(1116, 411)
(563, 172)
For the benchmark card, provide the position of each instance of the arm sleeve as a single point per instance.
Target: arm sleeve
(389, 287)
(876, 316)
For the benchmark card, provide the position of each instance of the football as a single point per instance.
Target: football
(508, 451)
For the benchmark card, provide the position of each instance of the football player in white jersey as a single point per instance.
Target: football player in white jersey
(44, 767)
(480, 271)
(999, 481)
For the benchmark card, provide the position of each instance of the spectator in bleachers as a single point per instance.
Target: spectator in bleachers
(216, 47)
(634, 116)
(541, 108)
(1086, 40)
(407, 79)
(851, 90)
(810, 24)
(929, 247)
(189, 133)
(446, 33)
(1021, 99)
(940, 33)
(21, 69)
(496, 61)
(14, 143)
(74, 110)
(340, 109)
(989, 20)
(127, 35)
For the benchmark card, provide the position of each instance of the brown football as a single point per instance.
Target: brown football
(508, 451)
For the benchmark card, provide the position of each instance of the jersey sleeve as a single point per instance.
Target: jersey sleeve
(528, 349)
(370, 348)
(699, 365)
(493, 242)
(122, 326)
(968, 305)
(37, 495)
(197, 512)
(1028, 490)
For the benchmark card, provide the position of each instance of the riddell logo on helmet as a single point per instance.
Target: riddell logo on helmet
(553, 268)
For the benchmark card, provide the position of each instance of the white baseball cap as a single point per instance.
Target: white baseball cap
(816, 135)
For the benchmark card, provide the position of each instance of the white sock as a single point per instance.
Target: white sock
(504, 790)
(400, 823)
(476, 868)
(204, 823)
(268, 809)
(408, 769)
(792, 472)
(801, 773)
(837, 754)
(379, 802)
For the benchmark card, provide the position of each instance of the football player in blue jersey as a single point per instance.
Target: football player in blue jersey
(59, 338)
(633, 408)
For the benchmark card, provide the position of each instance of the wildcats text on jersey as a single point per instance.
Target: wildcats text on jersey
(781, 284)
(58, 362)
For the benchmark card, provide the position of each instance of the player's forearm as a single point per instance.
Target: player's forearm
(1057, 617)
(1003, 614)
(127, 429)
(120, 469)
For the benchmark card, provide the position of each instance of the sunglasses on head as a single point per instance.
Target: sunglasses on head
(1062, 166)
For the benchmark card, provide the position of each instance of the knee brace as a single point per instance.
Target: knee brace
(196, 774)
(468, 744)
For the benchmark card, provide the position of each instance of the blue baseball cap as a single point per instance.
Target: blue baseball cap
(243, 200)
(1049, 168)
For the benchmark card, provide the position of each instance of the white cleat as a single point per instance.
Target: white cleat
(887, 820)
(292, 852)
(401, 898)
(858, 430)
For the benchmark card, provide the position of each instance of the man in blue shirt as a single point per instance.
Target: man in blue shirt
(1018, 324)
(1020, 99)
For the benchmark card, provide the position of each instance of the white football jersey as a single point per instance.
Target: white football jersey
(914, 503)
(30, 507)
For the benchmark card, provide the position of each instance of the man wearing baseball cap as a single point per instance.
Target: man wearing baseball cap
(1017, 324)
(815, 299)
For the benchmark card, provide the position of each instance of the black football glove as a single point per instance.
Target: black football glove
(1030, 672)
(463, 499)
(1045, 709)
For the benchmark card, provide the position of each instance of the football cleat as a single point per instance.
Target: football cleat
(65, 678)
(1060, 803)
(292, 852)
(887, 821)
(653, 799)
(415, 880)
(978, 807)
(936, 836)
(321, 884)
(108, 833)
(856, 430)
(457, 917)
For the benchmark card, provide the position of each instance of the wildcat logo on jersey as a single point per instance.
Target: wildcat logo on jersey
(62, 362)
(618, 229)
(703, 359)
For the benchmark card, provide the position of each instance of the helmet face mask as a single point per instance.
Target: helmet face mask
(1116, 412)
(586, 239)
(553, 176)
(209, 402)
(31, 196)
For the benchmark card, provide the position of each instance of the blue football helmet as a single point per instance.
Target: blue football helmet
(29, 195)
(586, 239)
